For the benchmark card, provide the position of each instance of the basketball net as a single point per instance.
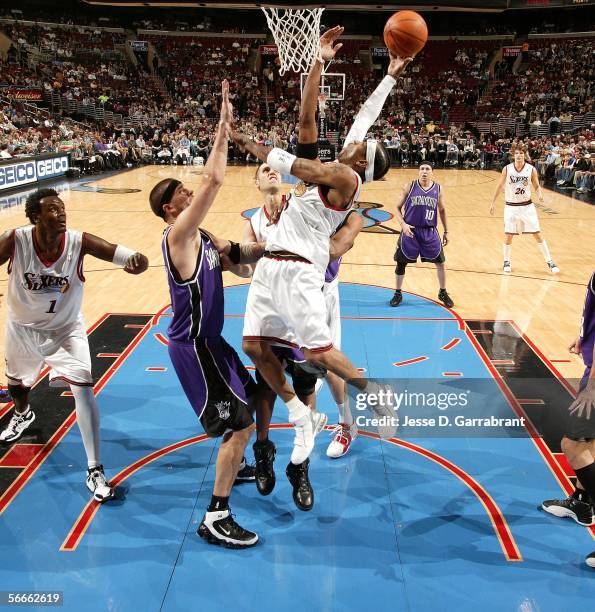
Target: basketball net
(297, 36)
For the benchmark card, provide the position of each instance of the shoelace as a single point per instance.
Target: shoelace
(230, 523)
(341, 434)
(340, 429)
(17, 419)
(98, 478)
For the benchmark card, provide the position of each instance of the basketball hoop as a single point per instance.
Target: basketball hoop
(297, 36)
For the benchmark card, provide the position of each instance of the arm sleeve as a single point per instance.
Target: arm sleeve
(370, 111)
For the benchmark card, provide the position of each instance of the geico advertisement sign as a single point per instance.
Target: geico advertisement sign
(22, 173)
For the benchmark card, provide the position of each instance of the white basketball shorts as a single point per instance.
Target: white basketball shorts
(64, 350)
(286, 305)
(333, 311)
(521, 219)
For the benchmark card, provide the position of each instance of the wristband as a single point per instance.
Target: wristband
(122, 255)
(280, 160)
(234, 253)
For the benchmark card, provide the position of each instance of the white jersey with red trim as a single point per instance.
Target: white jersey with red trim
(43, 294)
(518, 184)
(260, 224)
(308, 221)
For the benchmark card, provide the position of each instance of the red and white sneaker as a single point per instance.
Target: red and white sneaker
(344, 435)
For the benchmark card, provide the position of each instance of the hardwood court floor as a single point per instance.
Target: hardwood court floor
(547, 308)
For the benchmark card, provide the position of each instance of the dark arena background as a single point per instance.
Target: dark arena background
(101, 100)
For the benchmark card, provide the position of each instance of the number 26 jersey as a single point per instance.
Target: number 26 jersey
(518, 184)
(45, 294)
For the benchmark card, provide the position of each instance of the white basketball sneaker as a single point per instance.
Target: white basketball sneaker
(98, 484)
(383, 410)
(343, 436)
(507, 268)
(553, 267)
(306, 430)
(17, 425)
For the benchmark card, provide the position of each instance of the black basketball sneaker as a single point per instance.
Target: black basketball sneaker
(303, 494)
(246, 473)
(445, 298)
(397, 298)
(220, 528)
(264, 455)
(572, 508)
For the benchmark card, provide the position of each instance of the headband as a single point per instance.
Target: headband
(168, 194)
(370, 156)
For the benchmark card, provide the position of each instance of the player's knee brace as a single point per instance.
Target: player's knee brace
(18, 391)
(400, 268)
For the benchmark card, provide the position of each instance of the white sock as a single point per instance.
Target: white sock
(297, 409)
(345, 415)
(506, 249)
(87, 418)
(544, 251)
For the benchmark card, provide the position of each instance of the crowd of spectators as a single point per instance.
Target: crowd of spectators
(555, 81)
(173, 122)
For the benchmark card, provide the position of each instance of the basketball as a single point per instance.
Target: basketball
(405, 33)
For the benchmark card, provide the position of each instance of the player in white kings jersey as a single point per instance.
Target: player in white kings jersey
(44, 324)
(520, 216)
(285, 302)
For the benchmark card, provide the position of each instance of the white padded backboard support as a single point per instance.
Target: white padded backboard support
(331, 83)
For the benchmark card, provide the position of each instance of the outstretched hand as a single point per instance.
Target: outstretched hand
(397, 65)
(226, 107)
(327, 47)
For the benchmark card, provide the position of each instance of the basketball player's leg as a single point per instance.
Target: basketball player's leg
(431, 250)
(315, 337)
(402, 260)
(23, 365)
(263, 403)
(336, 384)
(443, 295)
(307, 424)
(511, 229)
(229, 459)
(67, 353)
(264, 449)
(219, 400)
(346, 430)
(532, 225)
(269, 367)
(269, 315)
(578, 446)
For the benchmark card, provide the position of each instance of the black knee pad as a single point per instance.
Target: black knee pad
(307, 150)
(304, 381)
(261, 383)
(400, 268)
(18, 391)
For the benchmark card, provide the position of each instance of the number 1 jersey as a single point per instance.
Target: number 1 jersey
(45, 294)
